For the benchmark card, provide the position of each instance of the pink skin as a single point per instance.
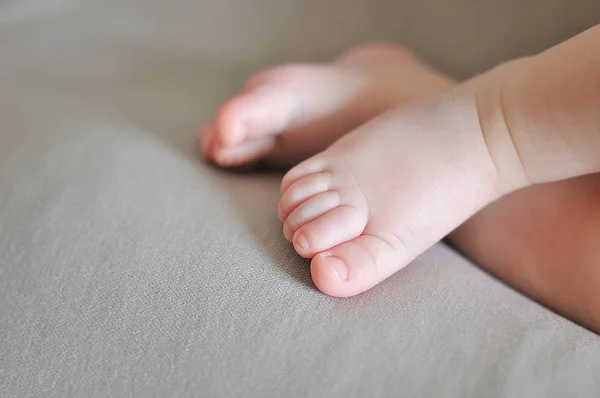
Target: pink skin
(543, 241)
(289, 113)
(382, 194)
(368, 204)
(358, 209)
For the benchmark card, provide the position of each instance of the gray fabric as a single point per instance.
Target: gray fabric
(129, 268)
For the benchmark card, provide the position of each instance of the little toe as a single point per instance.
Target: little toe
(336, 226)
(313, 165)
(310, 210)
(264, 111)
(302, 190)
(356, 266)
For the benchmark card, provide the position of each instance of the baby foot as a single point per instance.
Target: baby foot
(289, 113)
(383, 194)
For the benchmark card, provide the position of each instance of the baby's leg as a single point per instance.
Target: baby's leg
(384, 193)
(545, 242)
(540, 115)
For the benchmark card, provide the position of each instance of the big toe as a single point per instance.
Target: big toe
(245, 153)
(254, 114)
(245, 126)
(357, 265)
(275, 101)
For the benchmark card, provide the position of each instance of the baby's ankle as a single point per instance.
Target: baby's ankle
(496, 127)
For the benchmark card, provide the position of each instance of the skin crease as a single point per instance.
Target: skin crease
(543, 240)
(540, 240)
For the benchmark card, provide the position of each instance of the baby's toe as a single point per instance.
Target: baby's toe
(245, 153)
(249, 115)
(333, 227)
(273, 102)
(310, 210)
(305, 169)
(356, 266)
(302, 190)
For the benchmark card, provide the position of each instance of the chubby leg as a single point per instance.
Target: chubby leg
(545, 242)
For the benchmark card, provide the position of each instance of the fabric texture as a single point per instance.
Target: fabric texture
(130, 269)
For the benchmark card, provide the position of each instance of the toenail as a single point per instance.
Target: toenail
(340, 267)
(301, 242)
